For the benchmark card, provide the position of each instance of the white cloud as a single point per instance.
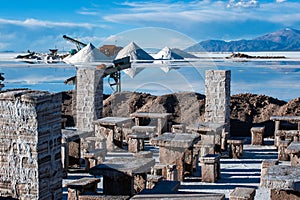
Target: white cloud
(186, 14)
(88, 13)
(243, 4)
(40, 23)
(280, 1)
(85, 11)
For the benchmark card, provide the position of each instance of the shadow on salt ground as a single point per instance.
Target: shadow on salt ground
(216, 186)
(240, 171)
(240, 161)
(260, 154)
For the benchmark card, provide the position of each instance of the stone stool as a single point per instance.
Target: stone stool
(294, 151)
(143, 154)
(148, 130)
(225, 136)
(168, 172)
(178, 128)
(236, 147)
(136, 142)
(94, 157)
(242, 193)
(80, 186)
(282, 146)
(152, 180)
(210, 165)
(265, 164)
(257, 135)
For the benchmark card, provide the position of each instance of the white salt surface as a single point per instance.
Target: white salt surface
(243, 172)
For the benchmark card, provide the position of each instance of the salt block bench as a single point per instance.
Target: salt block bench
(236, 147)
(136, 142)
(210, 165)
(294, 150)
(143, 154)
(93, 157)
(265, 164)
(257, 135)
(148, 130)
(167, 171)
(152, 180)
(282, 153)
(178, 128)
(80, 186)
(242, 193)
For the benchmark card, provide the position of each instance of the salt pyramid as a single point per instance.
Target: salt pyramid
(135, 53)
(170, 54)
(167, 54)
(87, 54)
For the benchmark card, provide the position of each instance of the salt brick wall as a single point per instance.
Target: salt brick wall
(89, 101)
(30, 145)
(217, 102)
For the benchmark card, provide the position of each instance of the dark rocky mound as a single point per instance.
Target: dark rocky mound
(187, 107)
(247, 110)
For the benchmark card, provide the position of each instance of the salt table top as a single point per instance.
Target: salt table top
(121, 166)
(206, 126)
(282, 177)
(150, 115)
(294, 147)
(72, 135)
(182, 140)
(112, 120)
(285, 118)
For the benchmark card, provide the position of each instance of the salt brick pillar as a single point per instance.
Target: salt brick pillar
(217, 102)
(89, 97)
(30, 145)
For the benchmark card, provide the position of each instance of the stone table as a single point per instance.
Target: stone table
(285, 134)
(162, 119)
(282, 178)
(210, 135)
(111, 129)
(177, 149)
(294, 150)
(123, 176)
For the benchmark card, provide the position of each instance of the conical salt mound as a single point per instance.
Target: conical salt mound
(88, 54)
(167, 54)
(135, 53)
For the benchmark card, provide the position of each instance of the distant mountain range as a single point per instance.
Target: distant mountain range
(283, 40)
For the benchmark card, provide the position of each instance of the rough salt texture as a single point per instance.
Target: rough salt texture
(217, 105)
(30, 145)
(282, 178)
(89, 101)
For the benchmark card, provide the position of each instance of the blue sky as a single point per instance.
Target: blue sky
(39, 25)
